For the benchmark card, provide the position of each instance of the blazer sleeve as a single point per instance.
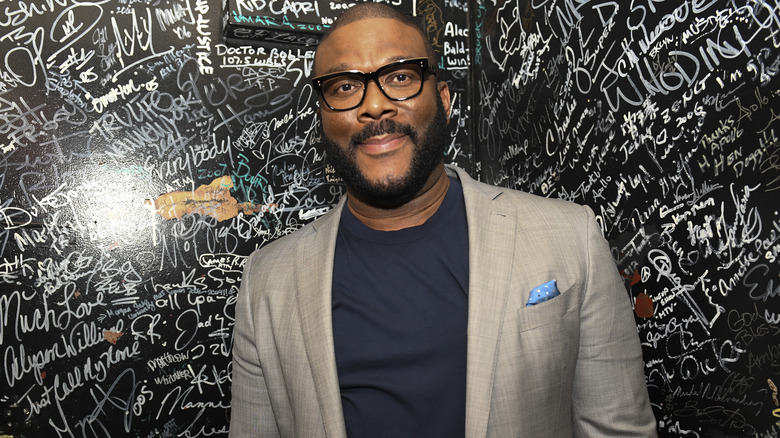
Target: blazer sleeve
(251, 411)
(610, 396)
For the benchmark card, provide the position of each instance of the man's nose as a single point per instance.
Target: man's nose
(375, 104)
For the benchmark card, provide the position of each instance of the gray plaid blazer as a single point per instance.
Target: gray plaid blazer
(568, 367)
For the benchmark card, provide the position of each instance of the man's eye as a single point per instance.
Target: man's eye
(401, 78)
(343, 87)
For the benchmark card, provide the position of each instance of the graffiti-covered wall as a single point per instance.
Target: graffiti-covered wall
(148, 146)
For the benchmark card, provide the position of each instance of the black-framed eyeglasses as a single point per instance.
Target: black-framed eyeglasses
(400, 80)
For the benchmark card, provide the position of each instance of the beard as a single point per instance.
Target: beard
(427, 154)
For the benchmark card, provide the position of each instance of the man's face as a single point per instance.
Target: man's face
(384, 150)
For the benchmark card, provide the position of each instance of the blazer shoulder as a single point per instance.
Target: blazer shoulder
(541, 205)
(550, 211)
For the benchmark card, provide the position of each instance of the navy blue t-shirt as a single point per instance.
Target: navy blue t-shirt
(400, 305)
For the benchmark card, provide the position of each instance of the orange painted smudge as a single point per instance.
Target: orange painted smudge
(644, 306)
(43, 374)
(112, 337)
(213, 200)
(636, 278)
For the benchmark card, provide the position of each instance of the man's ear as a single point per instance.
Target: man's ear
(444, 93)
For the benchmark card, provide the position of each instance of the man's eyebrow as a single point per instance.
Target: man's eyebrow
(336, 69)
(346, 67)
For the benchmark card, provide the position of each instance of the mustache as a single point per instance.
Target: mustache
(386, 126)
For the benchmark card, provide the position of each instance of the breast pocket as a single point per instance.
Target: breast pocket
(548, 312)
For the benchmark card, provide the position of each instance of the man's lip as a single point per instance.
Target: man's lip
(382, 143)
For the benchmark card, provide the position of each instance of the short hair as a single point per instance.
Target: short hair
(370, 9)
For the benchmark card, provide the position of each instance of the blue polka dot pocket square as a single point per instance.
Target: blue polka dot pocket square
(542, 293)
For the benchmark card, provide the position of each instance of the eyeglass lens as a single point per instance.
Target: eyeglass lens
(397, 82)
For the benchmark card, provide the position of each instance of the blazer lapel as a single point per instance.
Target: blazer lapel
(313, 289)
(492, 228)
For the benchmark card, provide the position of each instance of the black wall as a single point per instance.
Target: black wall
(145, 156)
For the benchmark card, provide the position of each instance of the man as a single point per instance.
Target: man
(404, 312)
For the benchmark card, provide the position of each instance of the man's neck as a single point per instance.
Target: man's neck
(410, 214)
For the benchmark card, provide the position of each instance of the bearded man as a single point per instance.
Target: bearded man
(426, 304)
